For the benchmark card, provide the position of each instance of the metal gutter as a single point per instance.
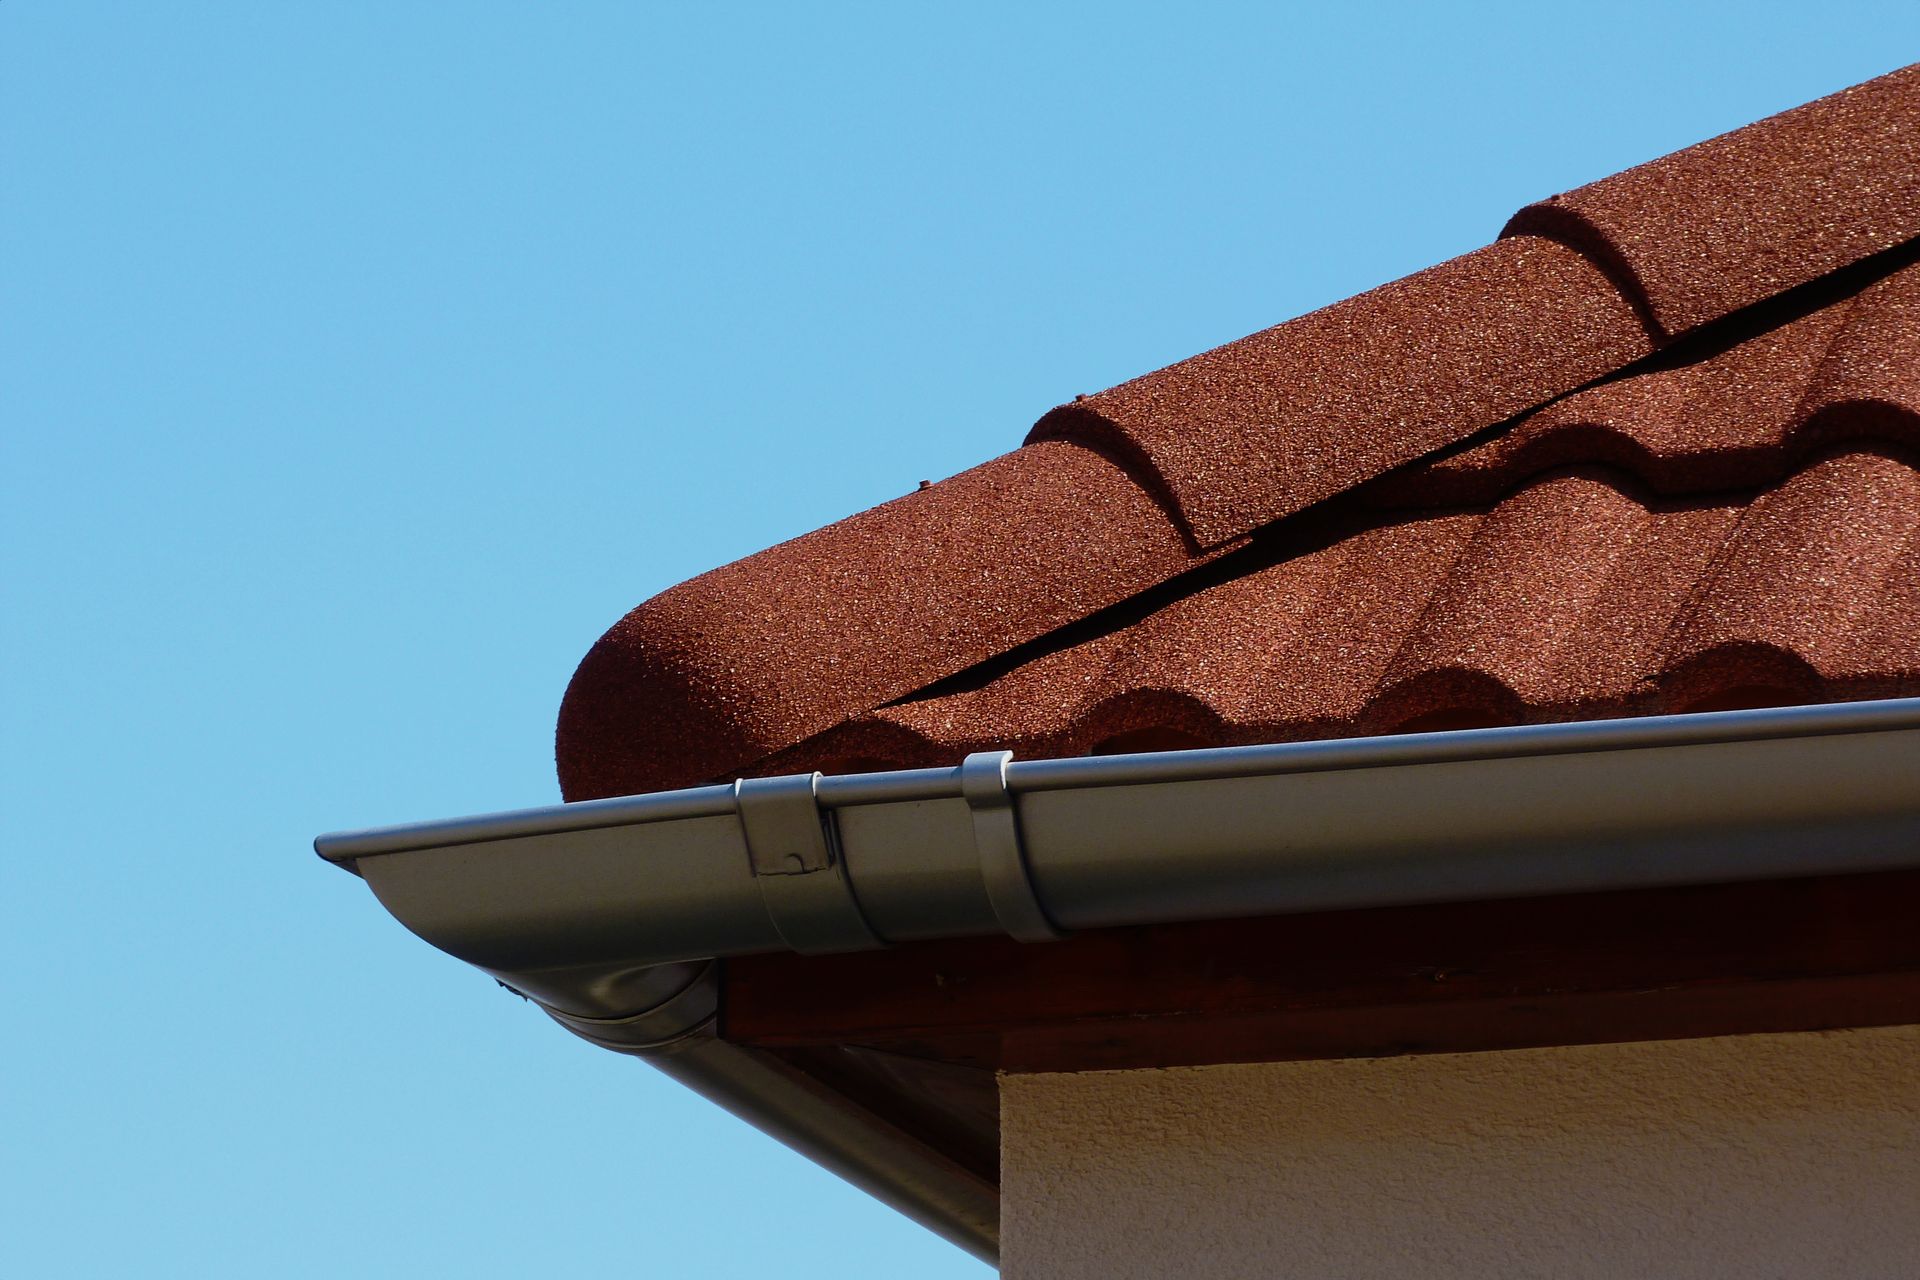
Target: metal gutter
(677, 1036)
(609, 912)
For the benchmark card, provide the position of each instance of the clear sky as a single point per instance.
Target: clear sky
(360, 363)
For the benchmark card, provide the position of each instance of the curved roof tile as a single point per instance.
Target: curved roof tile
(1575, 596)
(1724, 418)
(720, 670)
(1738, 218)
(1258, 429)
(1811, 568)
(1212, 553)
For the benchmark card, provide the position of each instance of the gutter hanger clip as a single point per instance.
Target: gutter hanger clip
(796, 862)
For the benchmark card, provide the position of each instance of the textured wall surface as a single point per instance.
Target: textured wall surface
(1752, 1156)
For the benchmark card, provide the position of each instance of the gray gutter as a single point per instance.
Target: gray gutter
(610, 912)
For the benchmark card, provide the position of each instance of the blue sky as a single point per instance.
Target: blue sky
(361, 363)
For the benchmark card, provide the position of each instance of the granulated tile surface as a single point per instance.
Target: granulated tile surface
(1752, 213)
(1653, 451)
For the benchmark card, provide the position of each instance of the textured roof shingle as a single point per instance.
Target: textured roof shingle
(1738, 218)
(1261, 428)
(1577, 595)
(1499, 490)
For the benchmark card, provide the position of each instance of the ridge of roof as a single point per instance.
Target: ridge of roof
(1717, 429)
(1129, 489)
(1257, 429)
(1729, 417)
(754, 656)
(1765, 207)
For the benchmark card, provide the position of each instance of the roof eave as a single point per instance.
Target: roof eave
(655, 887)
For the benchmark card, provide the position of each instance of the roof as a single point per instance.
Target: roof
(1652, 450)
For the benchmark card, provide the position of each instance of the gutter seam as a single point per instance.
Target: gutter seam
(1003, 858)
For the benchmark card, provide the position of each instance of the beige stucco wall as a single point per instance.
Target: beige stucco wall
(1755, 1156)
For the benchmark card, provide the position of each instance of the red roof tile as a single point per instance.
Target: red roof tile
(1741, 217)
(721, 670)
(1574, 597)
(1261, 428)
(1472, 496)
(1722, 417)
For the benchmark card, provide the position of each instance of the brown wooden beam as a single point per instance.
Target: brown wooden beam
(1647, 964)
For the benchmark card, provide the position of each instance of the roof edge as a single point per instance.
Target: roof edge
(657, 885)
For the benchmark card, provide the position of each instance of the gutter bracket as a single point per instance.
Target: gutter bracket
(797, 865)
(1003, 861)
